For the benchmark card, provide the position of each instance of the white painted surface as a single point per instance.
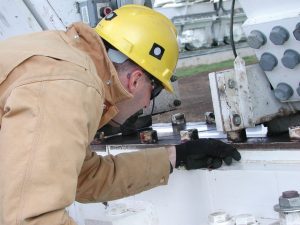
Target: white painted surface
(259, 8)
(16, 19)
(66, 10)
(251, 186)
(50, 15)
(25, 16)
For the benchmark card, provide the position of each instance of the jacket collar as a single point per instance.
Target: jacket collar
(87, 40)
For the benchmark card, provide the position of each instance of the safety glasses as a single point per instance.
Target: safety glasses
(156, 85)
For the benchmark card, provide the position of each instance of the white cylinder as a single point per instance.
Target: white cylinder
(289, 218)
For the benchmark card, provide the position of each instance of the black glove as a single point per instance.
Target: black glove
(205, 153)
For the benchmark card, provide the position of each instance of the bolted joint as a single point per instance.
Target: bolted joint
(290, 59)
(236, 119)
(296, 32)
(289, 199)
(268, 61)
(256, 39)
(279, 35)
(231, 83)
(283, 91)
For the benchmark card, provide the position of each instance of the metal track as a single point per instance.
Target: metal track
(257, 139)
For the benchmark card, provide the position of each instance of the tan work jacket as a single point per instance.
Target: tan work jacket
(56, 89)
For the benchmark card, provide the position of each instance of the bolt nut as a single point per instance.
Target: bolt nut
(236, 119)
(174, 78)
(178, 122)
(178, 118)
(279, 35)
(268, 61)
(256, 39)
(210, 118)
(176, 102)
(148, 137)
(289, 202)
(290, 59)
(290, 194)
(190, 134)
(231, 83)
(237, 136)
(289, 199)
(296, 32)
(283, 91)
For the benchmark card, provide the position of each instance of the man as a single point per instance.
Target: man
(57, 88)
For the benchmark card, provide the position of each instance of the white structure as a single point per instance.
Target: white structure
(244, 97)
(252, 186)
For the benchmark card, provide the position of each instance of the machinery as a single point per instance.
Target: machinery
(203, 24)
(247, 96)
(200, 24)
(244, 98)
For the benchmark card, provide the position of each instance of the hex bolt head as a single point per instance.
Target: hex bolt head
(178, 118)
(176, 102)
(231, 84)
(268, 61)
(174, 78)
(256, 39)
(290, 194)
(279, 35)
(283, 91)
(289, 200)
(236, 119)
(290, 59)
(296, 32)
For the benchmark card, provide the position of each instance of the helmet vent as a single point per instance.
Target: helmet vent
(157, 51)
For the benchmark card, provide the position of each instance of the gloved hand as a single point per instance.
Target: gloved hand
(205, 153)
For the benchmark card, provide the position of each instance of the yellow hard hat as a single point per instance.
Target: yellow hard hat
(146, 37)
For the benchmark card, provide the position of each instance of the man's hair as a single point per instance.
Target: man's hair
(128, 66)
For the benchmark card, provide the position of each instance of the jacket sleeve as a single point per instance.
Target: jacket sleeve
(112, 177)
(45, 130)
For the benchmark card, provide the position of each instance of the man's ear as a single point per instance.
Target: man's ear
(135, 81)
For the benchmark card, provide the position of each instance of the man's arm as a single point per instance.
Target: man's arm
(111, 177)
